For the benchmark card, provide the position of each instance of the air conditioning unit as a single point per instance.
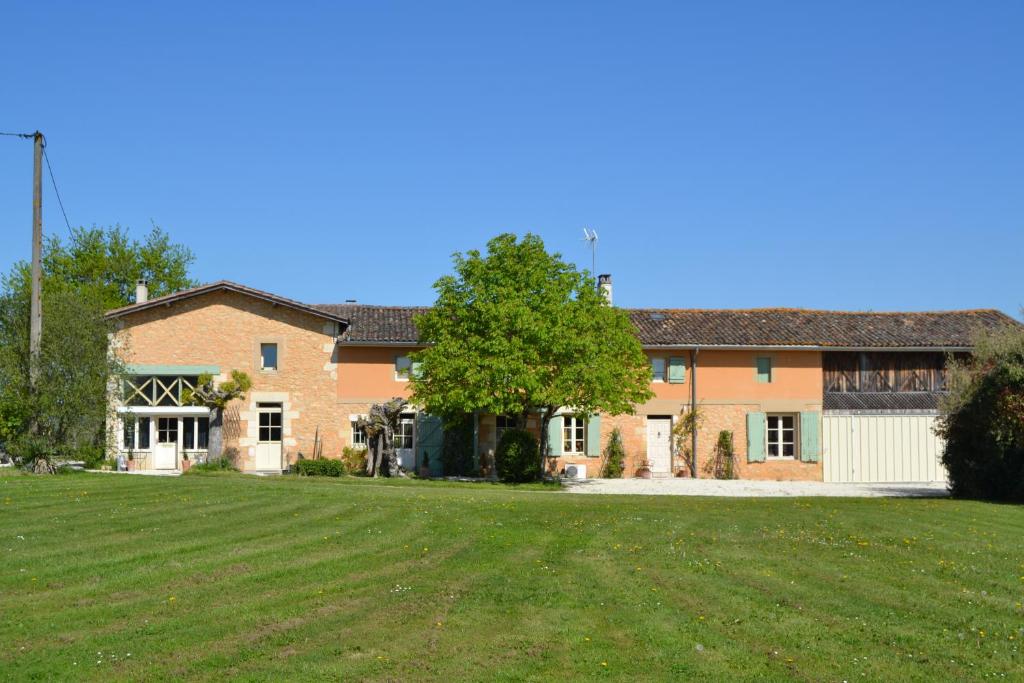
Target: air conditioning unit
(575, 472)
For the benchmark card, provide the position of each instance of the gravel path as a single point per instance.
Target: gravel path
(749, 489)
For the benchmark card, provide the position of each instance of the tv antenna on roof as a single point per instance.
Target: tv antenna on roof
(591, 237)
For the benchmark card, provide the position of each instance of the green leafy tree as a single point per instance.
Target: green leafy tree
(93, 271)
(65, 416)
(519, 331)
(111, 262)
(982, 419)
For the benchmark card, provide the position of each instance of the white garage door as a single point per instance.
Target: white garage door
(881, 448)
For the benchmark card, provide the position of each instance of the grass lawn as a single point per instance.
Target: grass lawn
(203, 577)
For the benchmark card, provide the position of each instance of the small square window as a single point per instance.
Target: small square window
(268, 356)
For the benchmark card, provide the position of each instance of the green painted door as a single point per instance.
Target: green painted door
(429, 438)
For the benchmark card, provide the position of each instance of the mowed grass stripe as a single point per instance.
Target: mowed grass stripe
(207, 577)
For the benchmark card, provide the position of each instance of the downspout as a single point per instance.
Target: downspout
(693, 408)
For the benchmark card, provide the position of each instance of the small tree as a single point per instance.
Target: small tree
(614, 456)
(722, 464)
(982, 419)
(380, 426)
(519, 331)
(217, 398)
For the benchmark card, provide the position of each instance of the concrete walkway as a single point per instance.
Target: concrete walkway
(750, 489)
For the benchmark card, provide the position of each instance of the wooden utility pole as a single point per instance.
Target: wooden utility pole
(36, 322)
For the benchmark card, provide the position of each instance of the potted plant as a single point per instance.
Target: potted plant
(185, 463)
(131, 462)
(643, 471)
(425, 465)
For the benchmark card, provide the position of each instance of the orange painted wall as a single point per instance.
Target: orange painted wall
(367, 373)
(731, 374)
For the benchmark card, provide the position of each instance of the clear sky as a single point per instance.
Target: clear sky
(850, 155)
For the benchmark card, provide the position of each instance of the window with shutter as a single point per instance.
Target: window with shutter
(676, 370)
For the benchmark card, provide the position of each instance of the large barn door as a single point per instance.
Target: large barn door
(889, 448)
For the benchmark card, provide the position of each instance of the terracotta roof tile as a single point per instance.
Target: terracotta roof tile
(753, 327)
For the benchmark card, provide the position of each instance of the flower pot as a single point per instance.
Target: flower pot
(643, 473)
(185, 464)
(131, 465)
(425, 472)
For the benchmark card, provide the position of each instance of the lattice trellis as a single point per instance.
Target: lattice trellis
(156, 390)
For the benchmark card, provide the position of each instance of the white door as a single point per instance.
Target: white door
(165, 452)
(890, 448)
(659, 440)
(268, 443)
(404, 438)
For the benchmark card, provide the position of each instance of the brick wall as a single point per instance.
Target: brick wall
(226, 329)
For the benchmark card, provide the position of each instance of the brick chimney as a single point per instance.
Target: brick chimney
(604, 283)
(141, 291)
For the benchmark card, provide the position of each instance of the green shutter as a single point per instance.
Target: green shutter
(764, 369)
(429, 440)
(755, 436)
(810, 443)
(555, 435)
(594, 436)
(676, 370)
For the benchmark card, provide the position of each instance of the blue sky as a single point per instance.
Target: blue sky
(850, 155)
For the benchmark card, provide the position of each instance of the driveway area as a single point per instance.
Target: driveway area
(752, 489)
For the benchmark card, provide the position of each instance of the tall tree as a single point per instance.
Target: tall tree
(94, 271)
(520, 331)
(65, 415)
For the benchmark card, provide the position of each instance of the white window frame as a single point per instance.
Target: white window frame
(571, 424)
(195, 433)
(277, 357)
(655, 361)
(353, 419)
(136, 432)
(781, 442)
(403, 420)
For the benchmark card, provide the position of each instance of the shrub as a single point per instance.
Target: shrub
(215, 465)
(982, 419)
(323, 467)
(722, 464)
(353, 460)
(518, 457)
(614, 456)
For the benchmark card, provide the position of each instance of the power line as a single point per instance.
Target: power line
(55, 190)
(49, 168)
